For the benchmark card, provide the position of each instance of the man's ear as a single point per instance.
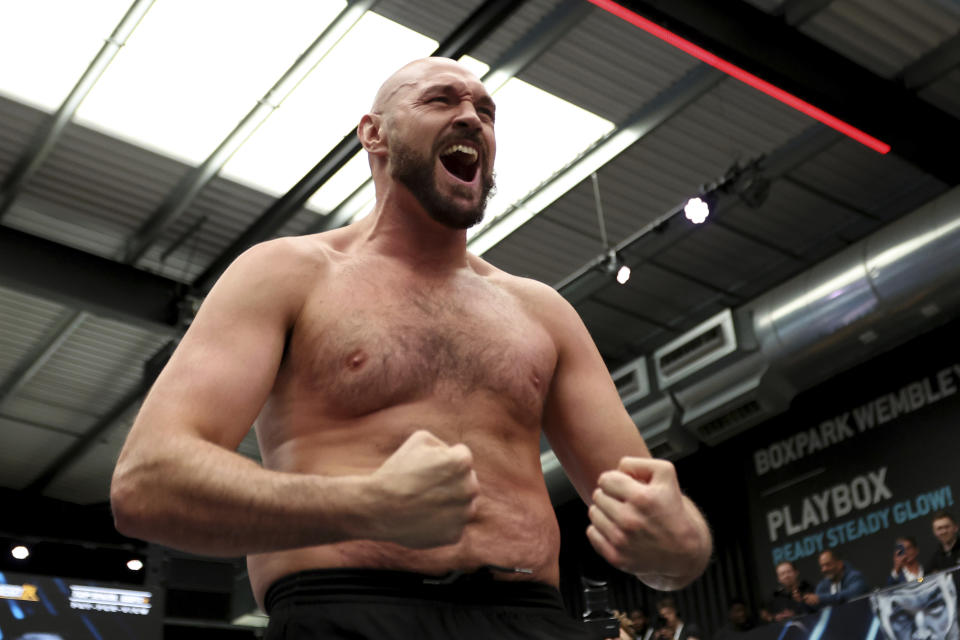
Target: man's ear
(370, 132)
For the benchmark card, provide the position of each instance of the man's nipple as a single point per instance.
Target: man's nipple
(356, 360)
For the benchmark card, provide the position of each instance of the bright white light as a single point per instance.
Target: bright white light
(134, 565)
(696, 210)
(20, 552)
(341, 184)
(192, 70)
(623, 274)
(474, 66)
(326, 106)
(46, 45)
(537, 134)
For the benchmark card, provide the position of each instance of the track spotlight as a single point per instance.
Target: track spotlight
(134, 564)
(614, 264)
(697, 209)
(20, 552)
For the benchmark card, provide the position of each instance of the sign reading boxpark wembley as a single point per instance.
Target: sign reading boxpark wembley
(854, 466)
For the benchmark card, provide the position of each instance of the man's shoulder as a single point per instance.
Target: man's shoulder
(529, 291)
(283, 258)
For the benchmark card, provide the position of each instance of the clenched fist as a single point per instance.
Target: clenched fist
(428, 492)
(641, 523)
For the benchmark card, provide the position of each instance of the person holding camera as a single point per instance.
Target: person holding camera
(906, 567)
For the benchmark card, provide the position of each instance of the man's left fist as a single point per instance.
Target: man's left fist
(644, 525)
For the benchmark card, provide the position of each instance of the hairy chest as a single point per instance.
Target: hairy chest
(367, 346)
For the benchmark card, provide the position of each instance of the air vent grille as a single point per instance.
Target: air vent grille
(696, 349)
(691, 350)
(663, 450)
(731, 420)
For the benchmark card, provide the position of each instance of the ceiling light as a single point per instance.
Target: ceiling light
(134, 564)
(183, 100)
(697, 209)
(20, 552)
(520, 173)
(289, 143)
(623, 274)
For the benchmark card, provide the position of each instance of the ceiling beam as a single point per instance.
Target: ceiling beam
(768, 47)
(490, 15)
(38, 356)
(190, 186)
(933, 64)
(644, 245)
(151, 369)
(47, 136)
(83, 281)
(797, 12)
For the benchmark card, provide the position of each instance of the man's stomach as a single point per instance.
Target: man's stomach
(514, 525)
(512, 530)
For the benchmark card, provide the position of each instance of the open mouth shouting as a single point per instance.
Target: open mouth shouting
(461, 160)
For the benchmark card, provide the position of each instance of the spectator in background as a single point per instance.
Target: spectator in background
(906, 567)
(672, 626)
(788, 597)
(739, 621)
(840, 582)
(947, 554)
(642, 629)
(626, 626)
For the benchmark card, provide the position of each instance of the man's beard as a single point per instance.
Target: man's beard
(416, 173)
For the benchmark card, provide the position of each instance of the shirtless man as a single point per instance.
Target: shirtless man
(399, 385)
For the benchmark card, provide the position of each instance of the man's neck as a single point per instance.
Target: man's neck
(948, 546)
(414, 238)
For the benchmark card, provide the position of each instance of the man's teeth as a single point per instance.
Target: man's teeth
(460, 148)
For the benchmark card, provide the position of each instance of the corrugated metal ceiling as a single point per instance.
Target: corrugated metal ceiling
(94, 192)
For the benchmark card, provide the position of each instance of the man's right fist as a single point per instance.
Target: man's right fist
(428, 490)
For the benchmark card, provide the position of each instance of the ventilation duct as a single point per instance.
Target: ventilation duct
(658, 423)
(741, 395)
(874, 295)
(744, 366)
(632, 382)
(703, 345)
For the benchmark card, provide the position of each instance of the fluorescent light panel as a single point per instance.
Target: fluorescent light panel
(742, 75)
(47, 44)
(188, 75)
(192, 70)
(537, 134)
(325, 106)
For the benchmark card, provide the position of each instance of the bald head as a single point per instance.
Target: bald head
(430, 133)
(412, 74)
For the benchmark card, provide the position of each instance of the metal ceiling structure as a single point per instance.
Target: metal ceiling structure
(106, 248)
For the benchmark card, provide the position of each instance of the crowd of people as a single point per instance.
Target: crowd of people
(796, 596)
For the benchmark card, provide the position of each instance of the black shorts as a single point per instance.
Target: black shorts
(386, 605)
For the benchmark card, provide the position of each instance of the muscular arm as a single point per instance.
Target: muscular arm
(180, 482)
(641, 522)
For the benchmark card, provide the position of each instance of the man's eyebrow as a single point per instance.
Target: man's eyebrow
(484, 99)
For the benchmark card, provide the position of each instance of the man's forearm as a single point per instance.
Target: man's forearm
(199, 497)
